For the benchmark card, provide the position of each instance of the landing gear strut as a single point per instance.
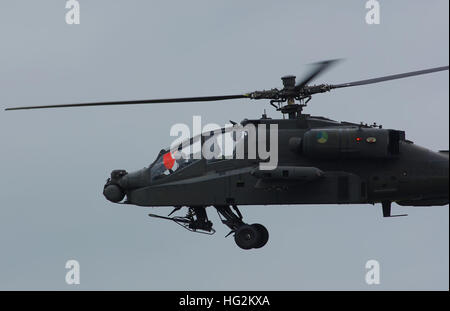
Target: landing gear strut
(246, 236)
(386, 207)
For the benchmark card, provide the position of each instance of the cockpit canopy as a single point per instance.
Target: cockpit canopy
(213, 146)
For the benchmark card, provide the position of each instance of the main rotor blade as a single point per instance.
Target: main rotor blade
(135, 102)
(387, 78)
(321, 67)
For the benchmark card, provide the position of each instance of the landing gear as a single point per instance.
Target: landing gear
(246, 236)
(251, 236)
(263, 235)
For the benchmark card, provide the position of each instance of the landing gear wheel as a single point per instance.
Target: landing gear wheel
(247, 237)
(263, 235)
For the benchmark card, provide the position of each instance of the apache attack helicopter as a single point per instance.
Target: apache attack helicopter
(320, 161)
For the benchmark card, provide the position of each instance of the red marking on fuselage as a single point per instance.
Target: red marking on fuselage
(168, 160)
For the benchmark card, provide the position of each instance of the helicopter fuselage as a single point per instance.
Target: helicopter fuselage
(353, 164)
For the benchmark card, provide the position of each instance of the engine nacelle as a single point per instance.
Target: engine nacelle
(353, 143)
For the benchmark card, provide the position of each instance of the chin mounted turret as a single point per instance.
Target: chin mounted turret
(112, 189)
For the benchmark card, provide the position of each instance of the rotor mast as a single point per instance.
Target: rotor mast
(292, 109)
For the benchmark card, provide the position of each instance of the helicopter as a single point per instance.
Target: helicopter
(319, 161)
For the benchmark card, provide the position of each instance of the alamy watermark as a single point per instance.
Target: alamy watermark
(372, 276)
(373, 272)
(73, 273)
(373, 13)
(233, 141)
(73, 13)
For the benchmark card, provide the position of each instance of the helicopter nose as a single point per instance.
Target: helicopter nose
(121, 183)
(112, 190)
(113, 193)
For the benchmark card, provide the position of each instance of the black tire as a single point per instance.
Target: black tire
(263, 235)
(247, 237)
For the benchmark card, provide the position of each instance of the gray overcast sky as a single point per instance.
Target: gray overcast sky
(54, 162)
